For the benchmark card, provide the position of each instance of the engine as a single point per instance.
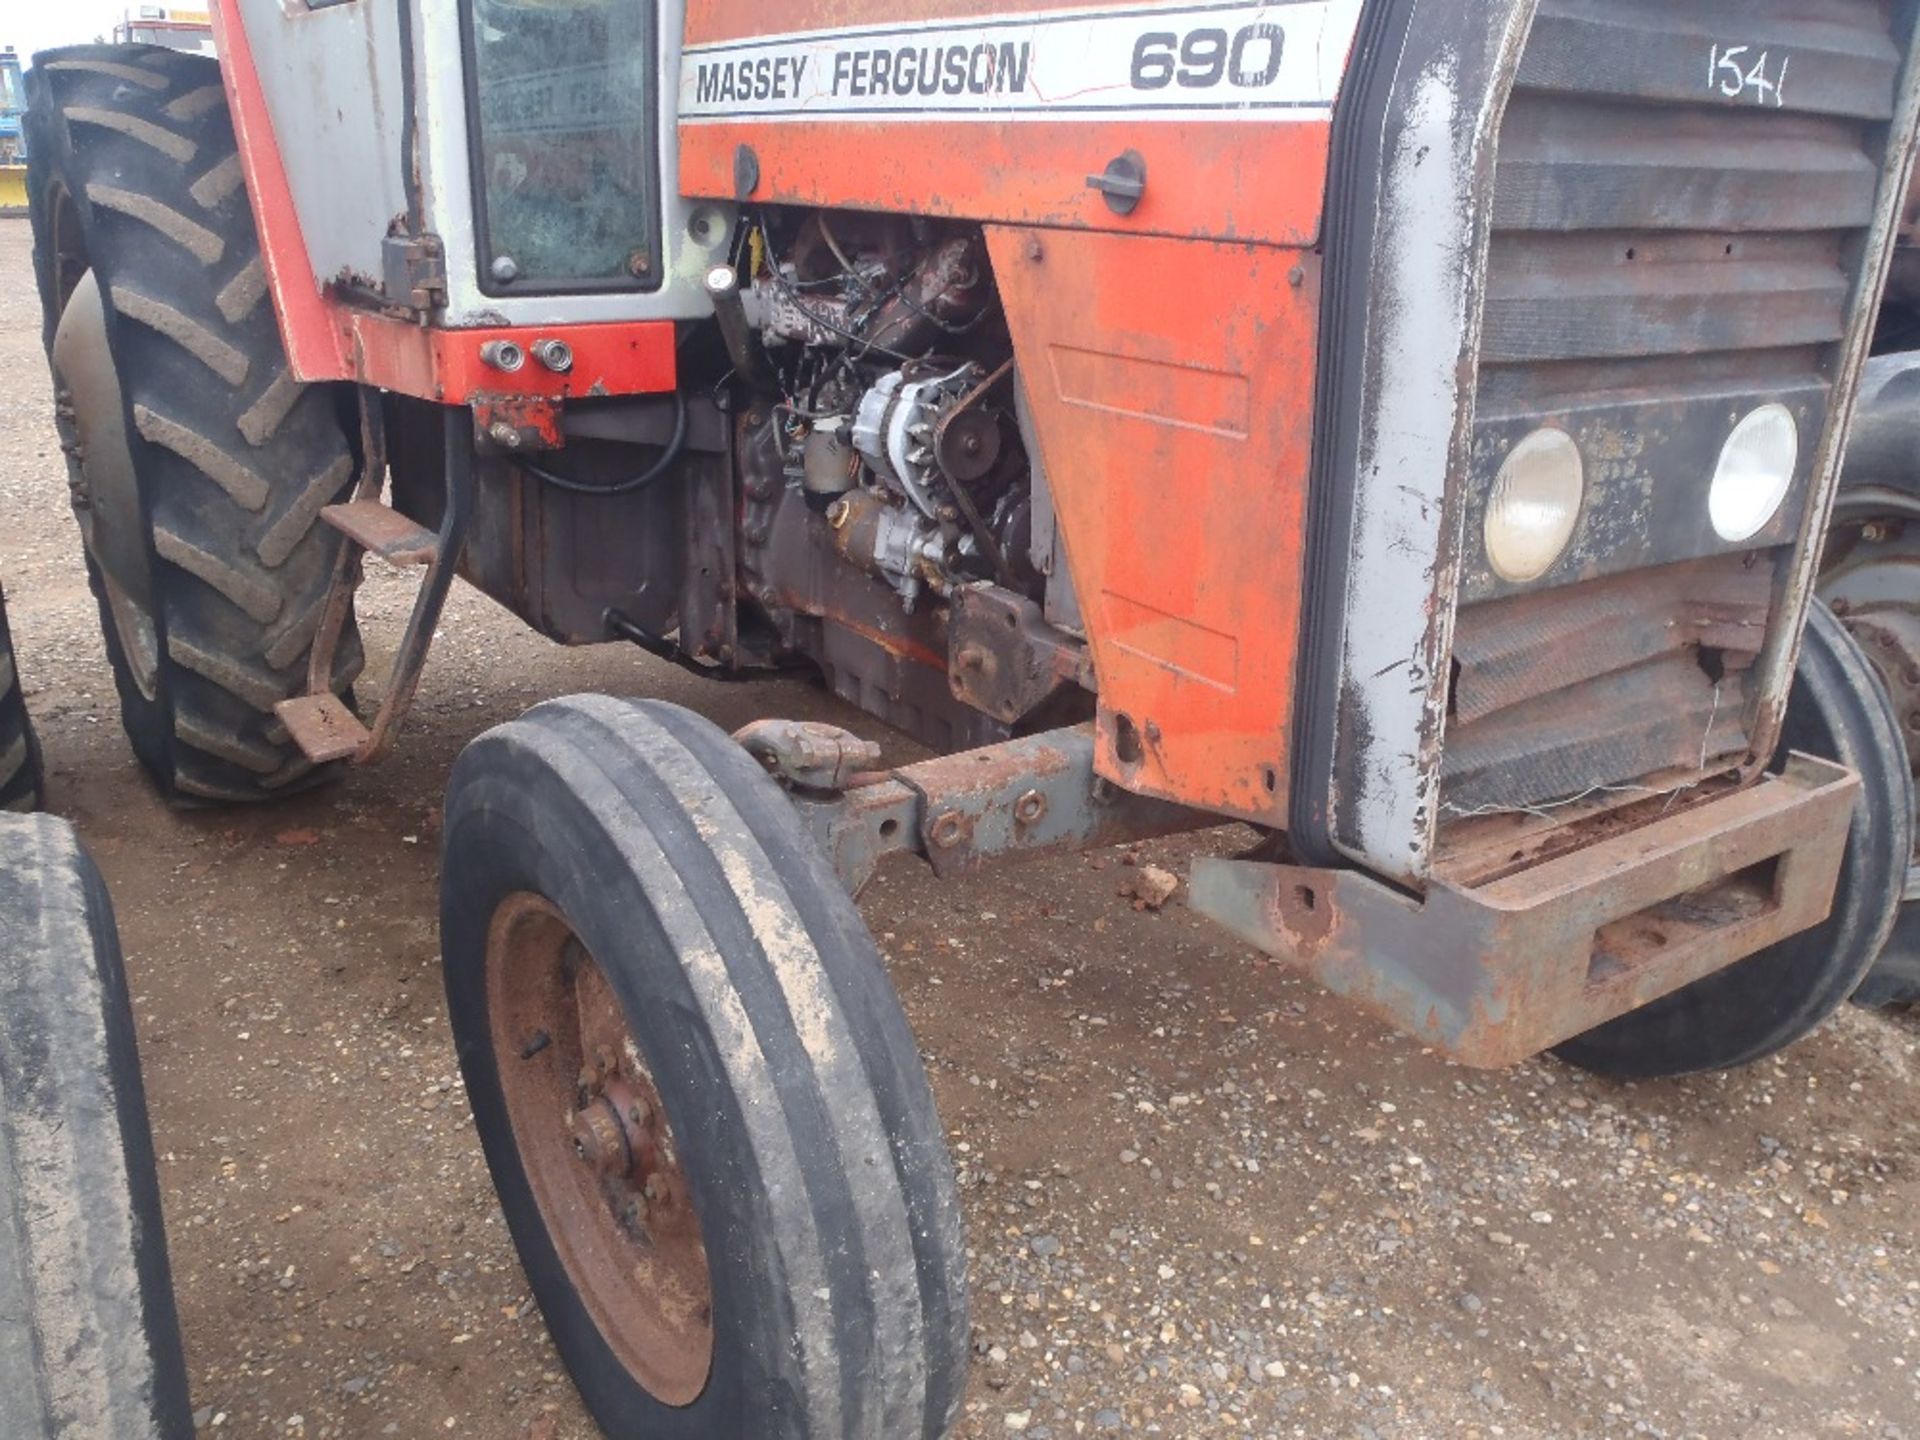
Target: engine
(895, 421)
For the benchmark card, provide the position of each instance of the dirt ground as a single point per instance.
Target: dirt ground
(1203, 1198)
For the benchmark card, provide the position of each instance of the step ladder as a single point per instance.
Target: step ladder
(319, 721)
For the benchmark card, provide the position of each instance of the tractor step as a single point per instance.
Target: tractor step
(323, 727)
(381, 530)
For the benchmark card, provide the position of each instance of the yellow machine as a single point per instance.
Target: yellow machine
(13, 155)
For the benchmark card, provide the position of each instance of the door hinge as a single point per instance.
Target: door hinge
(414, 271)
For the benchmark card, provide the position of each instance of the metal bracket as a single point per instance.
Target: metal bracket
(1036, 795)
(1005, 660)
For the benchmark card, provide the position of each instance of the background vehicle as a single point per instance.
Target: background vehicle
(173, 27)
(89, 1341)
(1347, 422)
(13, 156)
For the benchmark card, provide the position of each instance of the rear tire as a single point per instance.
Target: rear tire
(1761, 1004)
(89, 1339)
(1870, 575)
(134, 180)
(635, 842)
(22, 785)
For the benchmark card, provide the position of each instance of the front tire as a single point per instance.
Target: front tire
(687, 1065)
(1761, 1004)
(198, 463)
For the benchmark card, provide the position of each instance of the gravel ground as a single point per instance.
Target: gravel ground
(1203, 1197)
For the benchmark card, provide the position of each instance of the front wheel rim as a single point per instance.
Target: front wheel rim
(598, 1150)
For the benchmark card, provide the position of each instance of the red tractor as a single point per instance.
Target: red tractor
(1407, 427)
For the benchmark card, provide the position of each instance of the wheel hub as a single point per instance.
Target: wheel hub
(1891, 639)
(600, 1138)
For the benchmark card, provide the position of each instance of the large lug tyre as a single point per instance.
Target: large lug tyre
(21, 779)
(89, 1339)
(1758, 1005)
(709, 1126)
(198, 464)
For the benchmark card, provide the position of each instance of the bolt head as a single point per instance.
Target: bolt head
(504, 269)
(504, 434)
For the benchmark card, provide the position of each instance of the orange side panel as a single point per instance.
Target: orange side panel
(1233, 182)
(1171, 384)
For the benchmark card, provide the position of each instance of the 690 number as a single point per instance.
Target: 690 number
(1249, 58)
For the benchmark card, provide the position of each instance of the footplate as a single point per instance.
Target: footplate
(322, 726)
(1496, 972)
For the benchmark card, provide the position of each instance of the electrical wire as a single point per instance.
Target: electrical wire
(676, 447)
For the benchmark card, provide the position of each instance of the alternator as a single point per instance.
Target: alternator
(893, 429)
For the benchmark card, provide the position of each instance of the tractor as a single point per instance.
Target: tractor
(1406, 429)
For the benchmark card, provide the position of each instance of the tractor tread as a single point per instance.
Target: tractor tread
(98, 65)
(262, 689)
(246, 486)
(220, 356)
(297, 522)
(169, 143)
(253, 592)
(262, 419)
(239, 296)
(196, 239)
(218, 183)
(195, 103)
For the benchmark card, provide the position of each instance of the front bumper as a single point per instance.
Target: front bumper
(1493, 972)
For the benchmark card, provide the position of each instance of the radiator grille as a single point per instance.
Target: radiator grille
(1640, 211)
(1597, 685)
(1682, 196)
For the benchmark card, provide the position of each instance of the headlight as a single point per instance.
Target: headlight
(1755, 471)
(1535, 505)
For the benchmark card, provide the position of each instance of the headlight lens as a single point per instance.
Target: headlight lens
(1535, 505)
(1755, 472)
